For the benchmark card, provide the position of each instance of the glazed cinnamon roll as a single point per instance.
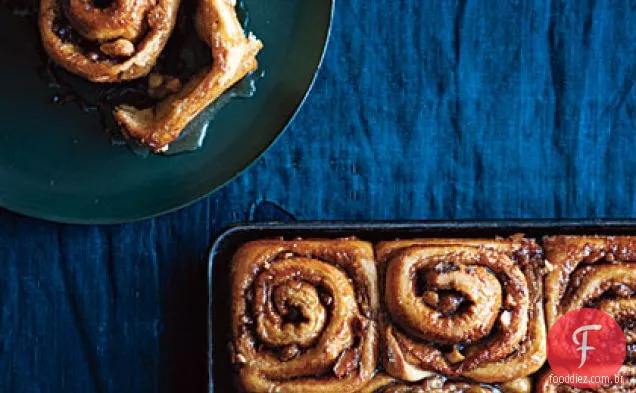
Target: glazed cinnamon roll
(304, 315)
(593, 272)
(106, 40)
(383, 383)
(234, 56)
(470, 309)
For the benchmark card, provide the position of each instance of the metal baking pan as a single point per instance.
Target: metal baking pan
(219, 329)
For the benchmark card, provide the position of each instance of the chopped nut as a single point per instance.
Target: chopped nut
(174, 85)
(119, 48)
(155, 80)
(160, 86)
(455, 356)
(518, 385)
(289, 352)
(431, 298)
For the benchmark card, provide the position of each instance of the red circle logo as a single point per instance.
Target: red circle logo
(586, 348)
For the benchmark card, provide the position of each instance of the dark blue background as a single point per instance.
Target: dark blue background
(422, 110)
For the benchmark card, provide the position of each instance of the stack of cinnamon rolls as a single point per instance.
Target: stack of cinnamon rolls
(420, 315)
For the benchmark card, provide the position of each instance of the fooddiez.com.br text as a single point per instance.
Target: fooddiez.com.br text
(584, 379)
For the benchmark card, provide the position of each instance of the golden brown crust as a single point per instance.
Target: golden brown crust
(304, 315)
(469, 308)
(234, 56)
(118, 43)
(594, 272)
(589, 266)
(383, 383)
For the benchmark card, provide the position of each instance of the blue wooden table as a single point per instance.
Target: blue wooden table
(423, 110)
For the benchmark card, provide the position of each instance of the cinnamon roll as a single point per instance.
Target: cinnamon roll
(106, 40)
(304, 315)
(593, 272)
(383, 383)
(234, 56)
(470, 309)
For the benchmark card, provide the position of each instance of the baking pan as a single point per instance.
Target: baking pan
(221, 373)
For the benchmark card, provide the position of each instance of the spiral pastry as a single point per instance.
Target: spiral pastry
(594, 272)
(462, 308)
(304, 315)
(383, 383)
(234, 56)
(106, 40)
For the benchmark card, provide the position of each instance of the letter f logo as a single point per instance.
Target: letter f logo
(588, 339)
(584, 347)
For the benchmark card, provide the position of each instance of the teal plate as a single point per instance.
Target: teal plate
(57, 163)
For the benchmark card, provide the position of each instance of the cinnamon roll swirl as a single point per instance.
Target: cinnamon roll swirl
(304, 315)
(461, 308)
(593, 272)
(234, 56)
(106, 40)
(383, 383)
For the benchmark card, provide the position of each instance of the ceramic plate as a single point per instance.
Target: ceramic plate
(57, 163)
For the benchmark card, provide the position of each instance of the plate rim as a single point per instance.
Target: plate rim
(64, 219)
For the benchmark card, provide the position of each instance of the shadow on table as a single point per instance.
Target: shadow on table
(183, 344)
